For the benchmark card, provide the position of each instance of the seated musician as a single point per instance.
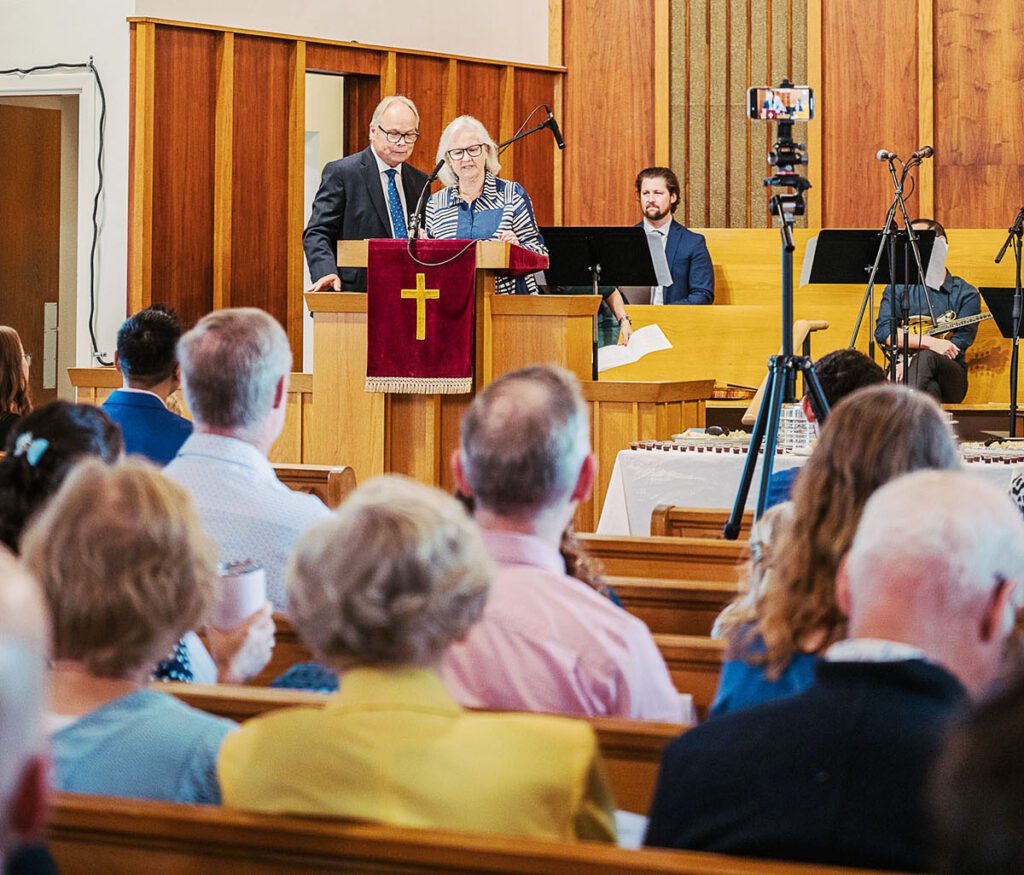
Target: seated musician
(937, 364)
(379, 591)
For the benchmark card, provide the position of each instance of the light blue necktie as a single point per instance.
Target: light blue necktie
(395, 205)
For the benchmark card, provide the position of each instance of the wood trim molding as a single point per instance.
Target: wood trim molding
(926, 104)
(223, 157)
(815, 78)
(170, 22)
(296, 195)
(662, 87)
(558, 166)
(450, 96)
(140, 271)
(506, 119)
(388, 74)
(556, 31)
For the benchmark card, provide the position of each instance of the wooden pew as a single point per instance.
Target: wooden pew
(330, 483)
(668, 520)
(710, 559)
(695, 663)
(679, 607)
(90, 834)
(631, 749)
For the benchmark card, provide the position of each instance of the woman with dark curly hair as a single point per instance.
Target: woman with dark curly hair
(15, 400)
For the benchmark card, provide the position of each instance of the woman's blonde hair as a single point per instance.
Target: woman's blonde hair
(14, 390)
(394, 577)
(873, 436)
(447, 175)
(124, 564)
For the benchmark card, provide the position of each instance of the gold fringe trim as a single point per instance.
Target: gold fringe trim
(420, 385)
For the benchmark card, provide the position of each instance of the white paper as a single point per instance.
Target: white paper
(805, 270)
(642, 342)
(935, 273)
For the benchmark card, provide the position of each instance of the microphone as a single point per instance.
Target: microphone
(551, 123)
(885, 155)
(922, 153)
(414, 225)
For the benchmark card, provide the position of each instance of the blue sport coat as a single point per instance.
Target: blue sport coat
(149, 429)
(693, 276)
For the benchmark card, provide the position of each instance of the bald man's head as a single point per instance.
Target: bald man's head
(23, 650)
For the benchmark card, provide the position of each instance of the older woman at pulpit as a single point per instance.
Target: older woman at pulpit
(379, 592)
(476, 204)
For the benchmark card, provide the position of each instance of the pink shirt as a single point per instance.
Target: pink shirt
(548, 642)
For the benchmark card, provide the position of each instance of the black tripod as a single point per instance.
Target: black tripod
(1014, 236)
(783, 368)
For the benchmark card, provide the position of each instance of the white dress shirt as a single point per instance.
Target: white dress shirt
(382, 171)
(658, 292)
(243, 506)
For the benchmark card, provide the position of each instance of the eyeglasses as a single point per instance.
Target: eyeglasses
(400, 136)
(472, 151)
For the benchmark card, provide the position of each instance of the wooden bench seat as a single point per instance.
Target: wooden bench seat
(668, 520)
(679, 607)
(330, 483)
(90, 834)
(631, 749)
(712, 559)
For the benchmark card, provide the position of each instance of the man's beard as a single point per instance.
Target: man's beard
(658, 215)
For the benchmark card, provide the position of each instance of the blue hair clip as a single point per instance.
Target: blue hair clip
(31, 448)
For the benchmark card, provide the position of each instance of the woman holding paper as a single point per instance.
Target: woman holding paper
(477, 205)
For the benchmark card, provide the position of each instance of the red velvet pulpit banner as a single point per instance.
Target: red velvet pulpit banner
(419, 318)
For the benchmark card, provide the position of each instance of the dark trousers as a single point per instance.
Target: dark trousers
(942, 378)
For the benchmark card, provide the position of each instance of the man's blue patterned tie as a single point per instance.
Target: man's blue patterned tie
(395, 205)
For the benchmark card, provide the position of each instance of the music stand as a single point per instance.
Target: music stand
(603, 256)
(1000, 304)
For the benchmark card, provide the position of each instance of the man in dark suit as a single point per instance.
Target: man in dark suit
(147, 359)
(838, 774)
(367, 195)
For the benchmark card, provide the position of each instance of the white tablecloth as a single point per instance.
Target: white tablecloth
(643, 479)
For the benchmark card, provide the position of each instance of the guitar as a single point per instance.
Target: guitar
(945, 324)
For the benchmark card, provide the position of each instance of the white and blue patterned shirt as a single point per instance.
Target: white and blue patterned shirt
(243, 506)
(501, 206)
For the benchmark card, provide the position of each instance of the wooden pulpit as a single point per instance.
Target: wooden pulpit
(415, 434)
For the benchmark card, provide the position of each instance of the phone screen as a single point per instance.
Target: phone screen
(794, 104)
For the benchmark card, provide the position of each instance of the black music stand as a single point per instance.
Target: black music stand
(603, 256)
(1000, 304)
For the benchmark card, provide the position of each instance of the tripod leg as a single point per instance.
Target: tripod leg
(813, 387)
(778, 385)
(731, 531)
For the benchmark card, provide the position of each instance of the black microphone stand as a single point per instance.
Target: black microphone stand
(544, 124)
(1015, 233)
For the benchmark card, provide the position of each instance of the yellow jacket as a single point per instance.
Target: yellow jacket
(394, 747)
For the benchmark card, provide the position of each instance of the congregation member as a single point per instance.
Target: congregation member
(840, 373)
(476, 204)
(367, 195)
(937, 364)
(378, 592)
(24, 766)
(873, 436)
(838, 774)
(147, 360)
(546, 641)
(44, 447)
(15, 396)
(235, 366)
(126, 571)
(977, 790)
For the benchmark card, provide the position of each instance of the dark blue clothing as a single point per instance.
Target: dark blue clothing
(780, 486)
(834, 775)
(742, 684)
(693, 276)
(149, 429)
(955, 294)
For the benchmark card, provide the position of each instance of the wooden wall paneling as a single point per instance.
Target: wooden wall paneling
(679, 92)
(508, 123)
(388, 74)
(324, 58)
(698, 213)
(662, 61)
(558, 156)
(422, 80)
(815, 129)
(926, 104)
(224, 130)
(478, 93)
(979, 153)
(259, 228)
(296, 196)
(556, 9)
(609, 104)
(184, 117)
(870, 88)
(759, 42)
(140, 237)
(450, 91)
(535, 155)
(362, 94)
(718, 115)
(738, 130)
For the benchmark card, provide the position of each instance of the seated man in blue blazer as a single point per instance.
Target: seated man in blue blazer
(147, 359)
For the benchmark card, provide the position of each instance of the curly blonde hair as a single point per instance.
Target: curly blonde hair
(394, 577)
(873, 436)
(124, 564)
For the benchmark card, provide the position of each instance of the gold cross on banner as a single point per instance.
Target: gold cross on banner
(422, 295)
